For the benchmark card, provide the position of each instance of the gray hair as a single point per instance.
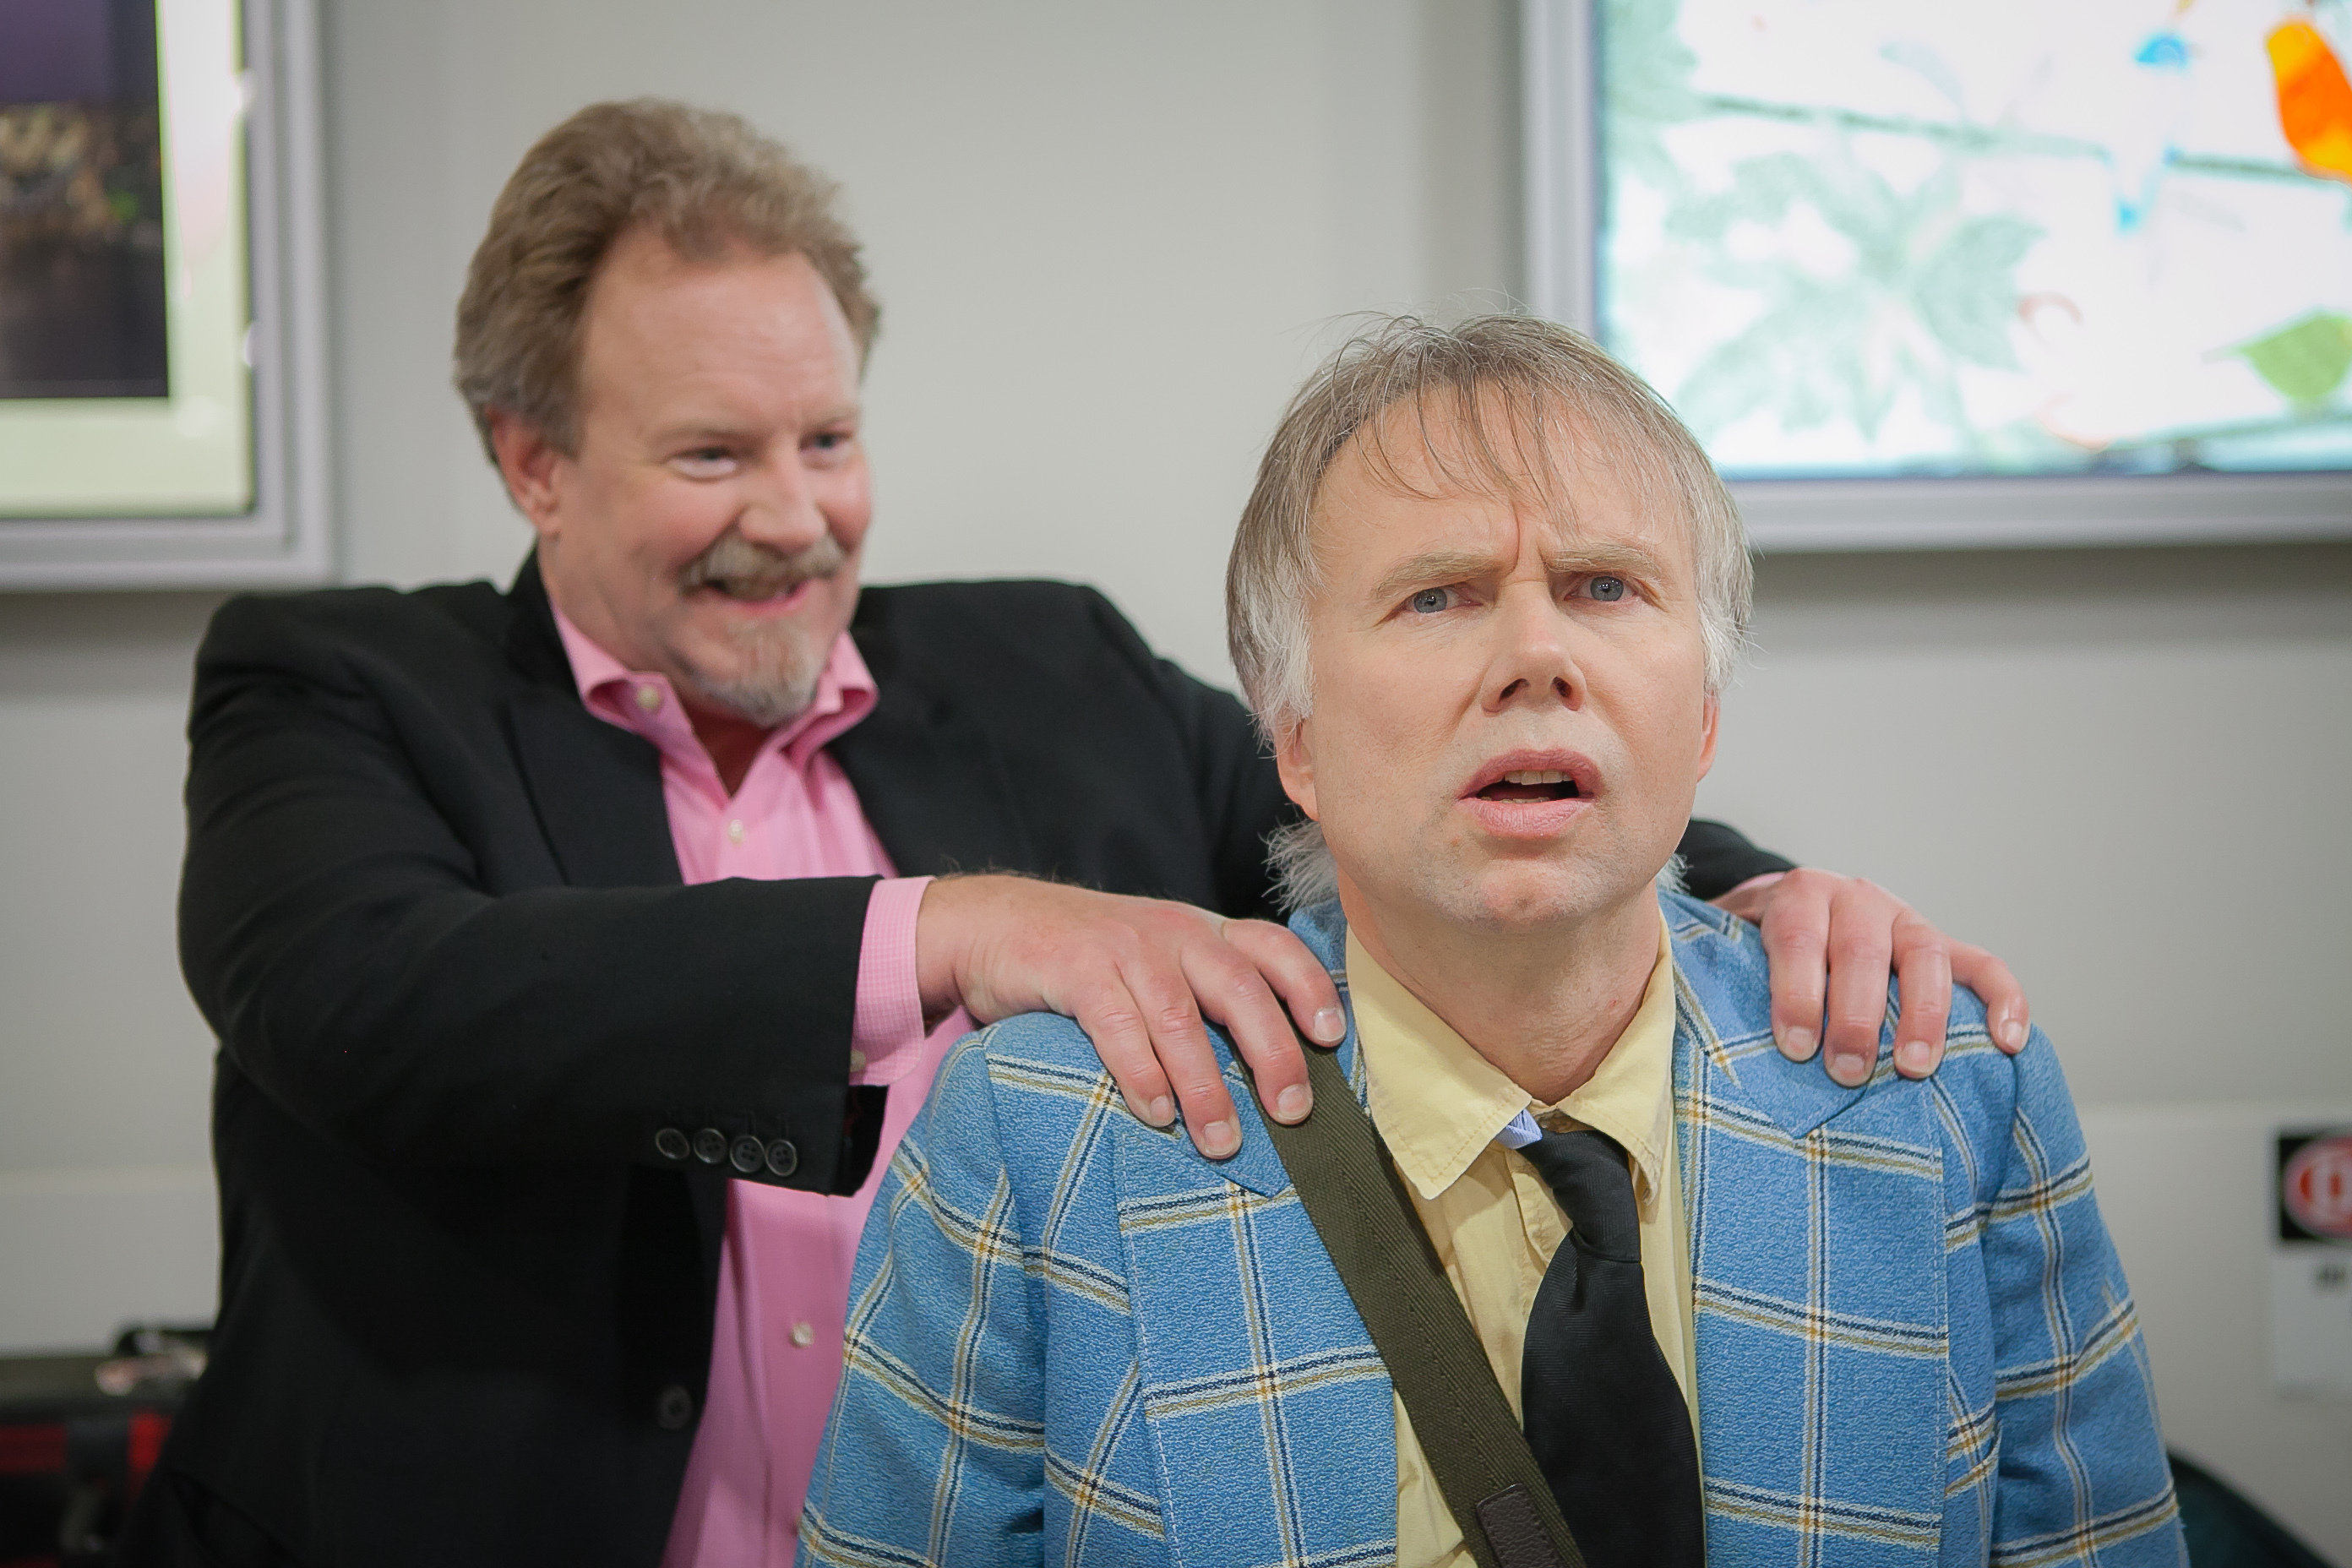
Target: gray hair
(1520, 367)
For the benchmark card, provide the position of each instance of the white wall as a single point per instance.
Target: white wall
(106, 1206)
(1108, 240)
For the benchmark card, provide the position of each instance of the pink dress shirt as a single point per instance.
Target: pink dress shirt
(783, 1272)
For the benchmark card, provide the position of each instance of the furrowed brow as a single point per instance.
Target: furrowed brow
(1433, 568)
(1602, 556)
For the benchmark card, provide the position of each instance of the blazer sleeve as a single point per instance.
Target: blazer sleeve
(2082, 1477)
(336, 932)
(1717, 857)
(1233, 775)
(935, 1450)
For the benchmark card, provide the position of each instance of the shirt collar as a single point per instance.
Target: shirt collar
(1438, 1103)
(845, 693)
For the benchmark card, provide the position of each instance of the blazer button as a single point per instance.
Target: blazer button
(671, 1145)
(710, 1145)
(782, 1158)
(673, 1408)
(746, 1156)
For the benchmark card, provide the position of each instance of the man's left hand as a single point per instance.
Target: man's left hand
(1832, 940)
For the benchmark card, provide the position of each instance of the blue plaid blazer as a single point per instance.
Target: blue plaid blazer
(1074, 1340)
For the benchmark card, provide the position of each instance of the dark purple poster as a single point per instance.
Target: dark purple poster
(81, 202)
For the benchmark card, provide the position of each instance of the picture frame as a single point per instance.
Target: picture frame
(196, 456)
(1564, 192)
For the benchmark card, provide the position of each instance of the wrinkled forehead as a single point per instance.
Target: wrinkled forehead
(1581, 468)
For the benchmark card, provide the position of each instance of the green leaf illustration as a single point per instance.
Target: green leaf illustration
(2304, 362)
(1966, 290)
(1928, 289)
(1649, 87)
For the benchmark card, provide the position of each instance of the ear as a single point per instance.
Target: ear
(528, 462)
(1707, 734)
(1293, 759)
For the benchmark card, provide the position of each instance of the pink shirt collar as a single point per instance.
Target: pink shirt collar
(845, 693)
(785, 1264)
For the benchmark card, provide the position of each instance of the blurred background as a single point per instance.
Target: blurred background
(1109, 241)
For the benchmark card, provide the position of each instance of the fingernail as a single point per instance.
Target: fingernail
(1293, 1103)
(1797, 1044)
(1161, 1112)
(2012, 1033)
(1330, 1027)
(1913, 1057)
(1849, 1069)
(1219, 1140)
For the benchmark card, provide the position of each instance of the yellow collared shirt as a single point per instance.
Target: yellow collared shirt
(1494, 1224)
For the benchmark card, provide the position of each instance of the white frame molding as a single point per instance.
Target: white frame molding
(1563, 194)
(284, 540)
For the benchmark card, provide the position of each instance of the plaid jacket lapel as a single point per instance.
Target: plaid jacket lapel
(1268, 1405)
(1816, 1228)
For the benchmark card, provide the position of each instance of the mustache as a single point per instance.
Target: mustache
(742, 569)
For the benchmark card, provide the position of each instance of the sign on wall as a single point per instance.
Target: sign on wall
(160, 418)
(1969, 272)
(2311, 1262)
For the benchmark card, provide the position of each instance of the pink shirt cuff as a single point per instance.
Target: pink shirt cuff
(886, 1040)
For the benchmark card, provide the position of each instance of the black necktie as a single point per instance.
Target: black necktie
(1602, 1410)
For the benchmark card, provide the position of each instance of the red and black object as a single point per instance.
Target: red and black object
(73, 1455)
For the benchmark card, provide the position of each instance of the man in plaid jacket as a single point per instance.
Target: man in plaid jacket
(1483, 601)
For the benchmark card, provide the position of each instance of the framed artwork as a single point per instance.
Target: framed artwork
(161, 383)
(2006, 273)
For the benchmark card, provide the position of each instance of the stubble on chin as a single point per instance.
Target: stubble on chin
(1523, 892)
(771, 680)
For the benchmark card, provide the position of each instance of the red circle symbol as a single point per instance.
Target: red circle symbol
(2317, 1187)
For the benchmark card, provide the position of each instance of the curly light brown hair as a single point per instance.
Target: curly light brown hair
(705, 181)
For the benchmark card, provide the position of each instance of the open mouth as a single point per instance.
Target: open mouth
(1531, 784)
(1531, 790)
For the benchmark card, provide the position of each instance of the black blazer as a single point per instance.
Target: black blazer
(466, 1010)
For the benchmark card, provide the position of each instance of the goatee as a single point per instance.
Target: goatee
(779, 668)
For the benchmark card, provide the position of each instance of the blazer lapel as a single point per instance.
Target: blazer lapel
(928, 775)
(598, 792)
(597, 787)
(1254, 1168)
(1816, 1226)
(1267, 1405)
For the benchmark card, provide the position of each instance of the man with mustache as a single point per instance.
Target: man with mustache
(1568, 1265)
(573, 949)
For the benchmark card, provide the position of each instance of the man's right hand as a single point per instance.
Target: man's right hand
(1139, 975)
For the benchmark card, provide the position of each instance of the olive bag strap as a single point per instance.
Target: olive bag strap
(1472, 1442)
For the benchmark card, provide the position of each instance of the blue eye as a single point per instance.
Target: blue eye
(1607, 590)
(1428, 601)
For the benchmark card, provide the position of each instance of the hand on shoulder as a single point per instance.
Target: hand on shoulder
(1834, 942)
(1142, 977)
